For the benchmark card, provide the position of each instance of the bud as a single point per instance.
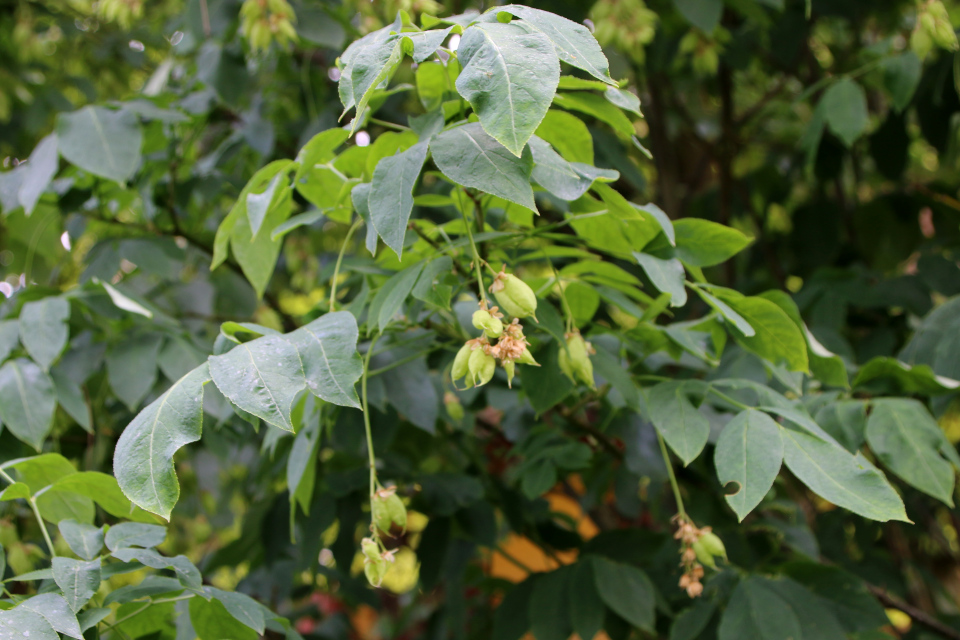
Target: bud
(491, 326)
(708, 547)
(454, 408)
(460, 368)
(514, 295)
(387, 510)
(575, 360)
(482, 366)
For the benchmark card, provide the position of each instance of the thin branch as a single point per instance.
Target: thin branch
(918, 615)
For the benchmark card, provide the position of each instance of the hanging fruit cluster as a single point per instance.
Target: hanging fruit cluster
(698, 548)
(933, 28)
(477, 359)
(266, 21)
(387, 513)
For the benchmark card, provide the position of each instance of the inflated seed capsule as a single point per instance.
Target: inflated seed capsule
(527, 358)
(375, 570)
(492, 327)
(575, 360)
(460, 367)
(514, 295)
(370, 549)
(708, 547)
(454, 408)
(397, 511)
(509, 367)
(387, 510)
(482, 367)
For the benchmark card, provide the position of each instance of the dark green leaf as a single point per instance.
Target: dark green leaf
(78, 580)
(83, 539)
(27, 401)
(509, 77)
(626, 590)
(40, 170)
(331, 364)
(683, 427)
(701, 243)
(703, 14)
(135, 534)
(666, 275)
(845, 109)
(143, 458)
(391, 194)
(470, 157)
(586, 608)
(43, 329)
(132, 368)
(549, 606)
(749, 452)
(101, 141)
(757, 612)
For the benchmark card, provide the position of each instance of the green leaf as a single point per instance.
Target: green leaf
(549, 606)
(666, 275)
(102, 488)
(609, 367)
(257, 255)
(43, 329)
(433, 82)
(85, 540)
(9, 337)
(132, 368)
(842, 593)
(545, 385)
(391, 194)
(918, 379)
(618, 228)
(566, 180)
(134, 534)
(835, 475)
(360, 196)
(816, 620)
(320, 149)
(259, 204)
(574, 43)
(15, 622)
(101, 141)
(568, 135)
(509, 77)
(845, 109)
(27, 401)
(212, 621)
(825, 365)
(15, 491)
(777, 338)
(905, 437)
(328, 351)
(260, 180)
(901, 76)
(242, 607)
(845, 421)
(757, 612)
(586, 608)
(301, 468)
(71, 398)
(703, 14)
(470, 157)
(658, 214)
(626, 590)
(749, 452)
(187, 573)
(434, 293)
(691, 622)
(262, 377)
(372, 66)
(702, 243)
(51, 608)
(394, 292)
(623, 99)
(683, 427)
(39, 171)
(598, 107)
(373, 40)
(78, 580)
(726, 311)
(143, 458)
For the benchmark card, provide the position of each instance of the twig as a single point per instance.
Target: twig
(920, 616)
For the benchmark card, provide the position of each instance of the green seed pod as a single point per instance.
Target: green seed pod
(708, 547)
(454, 408)
(509, 367)
(527, 358)
(945, 36)
(370, 549)
(483, 320)
(482, 367)
(380, 514)
(514, 296)
(460, 368)
(375, 570)
(575, 360)
(397, 511)
(921, 42)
